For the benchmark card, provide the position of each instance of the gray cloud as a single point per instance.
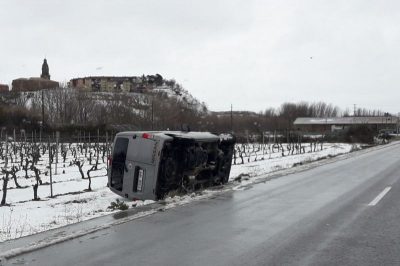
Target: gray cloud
(253, 54)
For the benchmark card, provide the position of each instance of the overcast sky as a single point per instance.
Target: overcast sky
(252, 54)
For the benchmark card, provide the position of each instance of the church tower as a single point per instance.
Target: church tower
(45, 70)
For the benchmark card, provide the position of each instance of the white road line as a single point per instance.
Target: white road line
(379, 197)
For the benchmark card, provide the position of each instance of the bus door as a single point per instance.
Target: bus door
(118, 164)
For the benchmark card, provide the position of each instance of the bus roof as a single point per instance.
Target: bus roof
(207, 136)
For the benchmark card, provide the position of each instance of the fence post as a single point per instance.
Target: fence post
(57, 141)
(51, 178)
(6, 159)
(107, 149)
(14, 140)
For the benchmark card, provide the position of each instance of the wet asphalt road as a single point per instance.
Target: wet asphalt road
(323, 216)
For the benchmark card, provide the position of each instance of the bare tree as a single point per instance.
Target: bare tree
(90, 179)
(80, 165)
(13, 172)
(38, 182)
(5, 184)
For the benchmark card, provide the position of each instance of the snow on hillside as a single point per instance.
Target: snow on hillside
(72, 203)
(138, 100)
(182, 95)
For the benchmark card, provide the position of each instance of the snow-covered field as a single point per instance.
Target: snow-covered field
(72, 202)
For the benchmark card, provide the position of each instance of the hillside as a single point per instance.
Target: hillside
(161, 107)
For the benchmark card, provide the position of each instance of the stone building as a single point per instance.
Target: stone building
(35, 84)
(4, 88)
(117, 84)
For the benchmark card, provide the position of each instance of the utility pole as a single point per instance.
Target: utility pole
(263, 151)
(41, 126)
(152, 114)
(107, 149)
(6, 159)
(354, 113)
(231, 119)
(42, 107)
(14, 140)
(398, 122)
(57, 142)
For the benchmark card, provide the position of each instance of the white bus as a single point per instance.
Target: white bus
(148, 165)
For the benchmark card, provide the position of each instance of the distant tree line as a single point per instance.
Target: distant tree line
(67, 109)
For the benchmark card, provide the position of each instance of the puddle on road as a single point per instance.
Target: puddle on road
(136, 210)
(120, 215)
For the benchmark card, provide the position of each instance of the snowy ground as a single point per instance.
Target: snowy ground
(72, 204)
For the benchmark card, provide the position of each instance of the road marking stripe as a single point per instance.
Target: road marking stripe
(379, 197)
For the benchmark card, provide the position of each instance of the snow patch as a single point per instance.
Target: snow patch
(72, 204)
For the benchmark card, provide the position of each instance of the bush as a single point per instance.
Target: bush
(360, 134)
(118, 205)
(354, 134)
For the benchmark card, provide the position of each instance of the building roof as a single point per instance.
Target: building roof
(351, 120)
(35, 79)
(236, 113)
(33, 84)
(113, 77)
(4, 87)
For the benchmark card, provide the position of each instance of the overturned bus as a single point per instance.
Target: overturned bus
(148, 165)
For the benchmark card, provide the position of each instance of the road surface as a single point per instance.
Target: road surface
(342, 213)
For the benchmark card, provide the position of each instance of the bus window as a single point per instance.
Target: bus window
(142, 150)
(118, 163)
